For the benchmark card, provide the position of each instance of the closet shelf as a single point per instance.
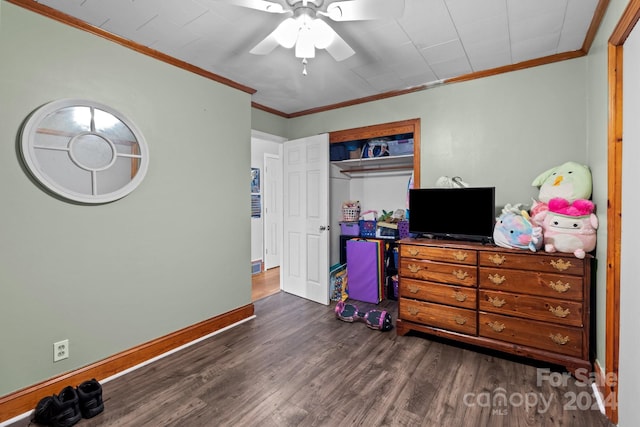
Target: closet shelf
(376, 164)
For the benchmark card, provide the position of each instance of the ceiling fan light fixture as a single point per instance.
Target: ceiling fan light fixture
(322, 33)
(286, 33)
(305, 47)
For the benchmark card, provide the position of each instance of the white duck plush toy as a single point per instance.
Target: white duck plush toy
(570, 181)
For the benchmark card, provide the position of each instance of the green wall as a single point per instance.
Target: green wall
(110, 277)
(500, 131)
(268, 123)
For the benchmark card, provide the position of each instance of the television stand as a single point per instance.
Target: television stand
(530, 304)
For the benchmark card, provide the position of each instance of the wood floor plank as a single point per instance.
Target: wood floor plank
(295, 364)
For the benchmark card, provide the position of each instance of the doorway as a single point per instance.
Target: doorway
(266, 228)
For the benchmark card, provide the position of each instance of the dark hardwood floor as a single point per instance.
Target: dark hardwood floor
(295, 364)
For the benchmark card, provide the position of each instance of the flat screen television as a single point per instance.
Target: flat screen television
(454, 213)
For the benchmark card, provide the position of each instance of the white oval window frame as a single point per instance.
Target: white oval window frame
(28, 146)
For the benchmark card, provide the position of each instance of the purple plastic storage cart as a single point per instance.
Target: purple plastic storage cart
(350, 229)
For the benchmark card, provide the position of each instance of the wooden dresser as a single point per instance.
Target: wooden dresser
(530, 304)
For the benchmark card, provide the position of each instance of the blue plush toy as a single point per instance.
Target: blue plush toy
(514, 230)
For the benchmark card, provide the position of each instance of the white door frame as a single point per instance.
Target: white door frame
(272, 198)
(255, 134)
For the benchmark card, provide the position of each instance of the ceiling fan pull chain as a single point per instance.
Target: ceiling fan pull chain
(304, 66)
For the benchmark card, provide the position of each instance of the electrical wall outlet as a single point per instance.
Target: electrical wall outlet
(60, 350)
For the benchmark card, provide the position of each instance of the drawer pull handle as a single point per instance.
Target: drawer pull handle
(460, 256)
(559, 311)
(459, 296)
(496, 279)
(559, 339)
(460, 320)
(496, 326)
(497, 259)
(413, 289)
(413, 251)
(560, 264)
(414, 268)
(497, 302)
(459, 274)
(413, 311)
(559, 286)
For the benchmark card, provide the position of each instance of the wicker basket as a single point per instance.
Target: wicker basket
(350, 214)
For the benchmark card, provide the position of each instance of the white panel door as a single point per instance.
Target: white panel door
(305, 261)
(272, 210)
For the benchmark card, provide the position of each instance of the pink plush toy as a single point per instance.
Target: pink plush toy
(569, 227)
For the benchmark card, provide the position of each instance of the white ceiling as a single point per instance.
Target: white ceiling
(432, 41)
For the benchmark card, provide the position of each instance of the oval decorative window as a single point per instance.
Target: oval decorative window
(84, 151)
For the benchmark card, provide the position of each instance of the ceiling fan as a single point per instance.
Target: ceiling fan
(306, 28)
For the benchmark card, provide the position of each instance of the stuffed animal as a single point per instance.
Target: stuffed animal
(455, 182)
(374, 319)
(514, 230)
(569, 227)
(570, 181)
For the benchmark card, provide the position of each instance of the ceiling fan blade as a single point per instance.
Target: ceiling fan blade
(339, 49)
(284, 35)
(266, 45)
(361, 10)
(263, 5)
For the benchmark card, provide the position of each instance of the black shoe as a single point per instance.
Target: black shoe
(90, 394)
(68, 408)
(44, 412)
(62, 410)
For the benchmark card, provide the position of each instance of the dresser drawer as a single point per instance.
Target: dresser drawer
(532, 307)
(458, 256)
(459, 296)
(439, 316)
(439, 272)
(547, 263)
(541, 335)
(528, 282)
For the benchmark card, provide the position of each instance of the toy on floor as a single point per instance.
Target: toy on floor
(374, 319)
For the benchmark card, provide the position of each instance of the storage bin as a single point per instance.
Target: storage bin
(403, 229)
(368, 227)
(400, 147)
(350, 213)
(350, 229)
(337, 152)
(355, 153)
